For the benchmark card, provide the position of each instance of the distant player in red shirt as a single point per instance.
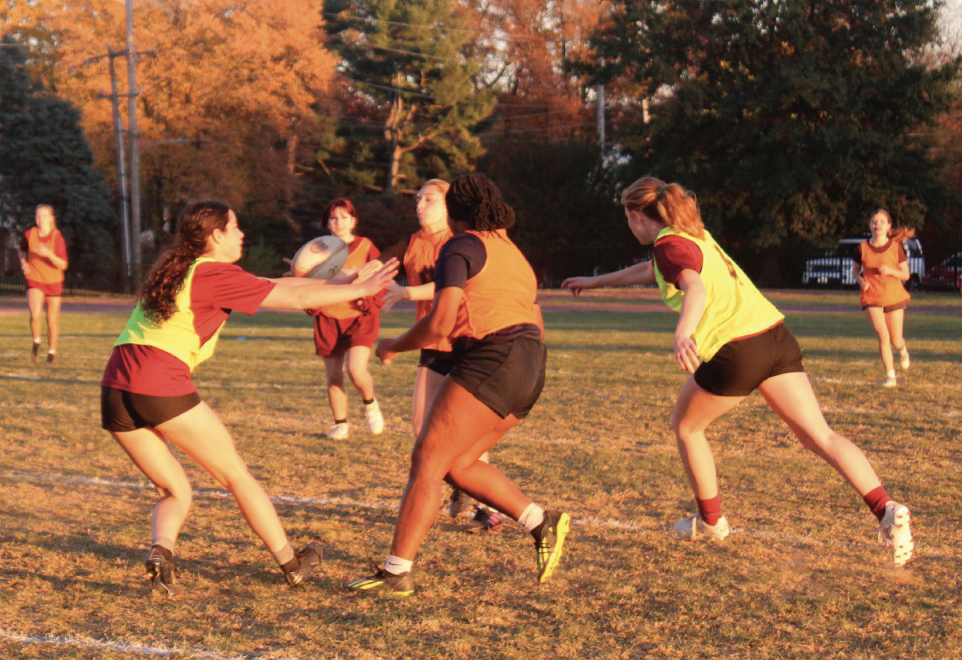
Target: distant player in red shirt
(149, 399)
(349, 329)
(880, 268)
(43, 258)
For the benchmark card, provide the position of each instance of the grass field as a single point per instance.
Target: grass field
(802, 577)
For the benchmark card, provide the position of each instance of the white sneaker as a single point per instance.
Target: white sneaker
(890, 382)
(904, 354)
(695, 528)
(339, 432)
(375, 421)
(894, 532)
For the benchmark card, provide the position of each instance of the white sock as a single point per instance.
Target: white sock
(532, 517)
(52, 351)
(890, 373)
(36, 341)
(396, 565)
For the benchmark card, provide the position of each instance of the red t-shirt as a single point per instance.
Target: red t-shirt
(674, 254)
(217, 289)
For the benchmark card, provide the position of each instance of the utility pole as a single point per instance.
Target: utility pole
(600, 93)
(134, 150)
(121, 168)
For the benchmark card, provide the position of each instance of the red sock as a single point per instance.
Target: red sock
(710, 510)
(876, 501)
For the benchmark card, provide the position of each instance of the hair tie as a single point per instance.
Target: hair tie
(662, 191)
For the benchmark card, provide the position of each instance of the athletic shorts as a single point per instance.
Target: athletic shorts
(122, 411)
(887, 309)
(740, 366)
(440, 362)
(334, 336)
(50, 289)
(507, 376)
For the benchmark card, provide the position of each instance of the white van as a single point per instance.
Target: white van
(834, 270)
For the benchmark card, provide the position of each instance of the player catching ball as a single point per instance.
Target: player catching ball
(485, 301)
(148, 398)
(348, 329)
(733, 341)
(419, 254)
(880, 269)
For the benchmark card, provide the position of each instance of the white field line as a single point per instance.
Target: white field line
(119, 647)
(582, 521)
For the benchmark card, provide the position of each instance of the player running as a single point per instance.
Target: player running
(733, 341)
(419, 254)
(485, 301)
(880, 269)
(148, 398)
(43, 258)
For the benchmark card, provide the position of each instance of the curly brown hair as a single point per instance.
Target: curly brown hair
(666, 202)
(475, 199)
(166, 278)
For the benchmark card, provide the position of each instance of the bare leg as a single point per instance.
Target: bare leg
(694, 410)
(893, 322)
(425, 385)
(202, 436)
(792, 398)
(877, 318)
(455, 426)
(149, 452)
(53, 322)
(335, 385)
(357, 361)
(35, 302)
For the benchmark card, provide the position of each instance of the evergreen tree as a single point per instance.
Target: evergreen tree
(410, 62)
(45, 159)
(791, 119)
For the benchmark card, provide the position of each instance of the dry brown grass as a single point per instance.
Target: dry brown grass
(802, 577)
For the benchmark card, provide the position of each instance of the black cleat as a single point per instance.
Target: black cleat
(35, 352)
(387, 583)
(485, 520)
(50, 358)
(549, 536)
(309, 558)
(161, 572)
(460, 501)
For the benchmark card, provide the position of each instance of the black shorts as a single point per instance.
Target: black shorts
(739, 367)
(440, 362)
(122, 411)
(506, 376)
(887, 309)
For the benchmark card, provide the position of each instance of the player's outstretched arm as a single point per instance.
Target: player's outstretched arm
(643, 273)
(300, 293)
(437, 325)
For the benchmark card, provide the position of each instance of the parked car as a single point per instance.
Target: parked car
(834, 270)
(947, 276)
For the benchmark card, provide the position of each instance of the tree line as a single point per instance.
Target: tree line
(791, 120)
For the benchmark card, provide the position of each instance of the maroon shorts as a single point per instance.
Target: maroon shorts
(52, 289)
(334, 336)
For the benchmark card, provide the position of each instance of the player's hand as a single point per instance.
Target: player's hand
(290, 267)
(384, 353)
(26, 267)
(365, 272)
(44, 251)
(380, 279)
(577, 284)
(885, 269)
(395, 293)
(686, 352)
(864, 284)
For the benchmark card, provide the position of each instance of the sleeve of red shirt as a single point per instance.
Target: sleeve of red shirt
(376, 301)
(674, 254)
(60, 247)
(231, 287)
(25, 243)
(902, 256)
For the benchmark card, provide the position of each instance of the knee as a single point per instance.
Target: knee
(232, 477)
(335, 380)
(181, 491)
(429, 465)
(359, 375)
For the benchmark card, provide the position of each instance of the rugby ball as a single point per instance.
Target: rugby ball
(320, 259)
